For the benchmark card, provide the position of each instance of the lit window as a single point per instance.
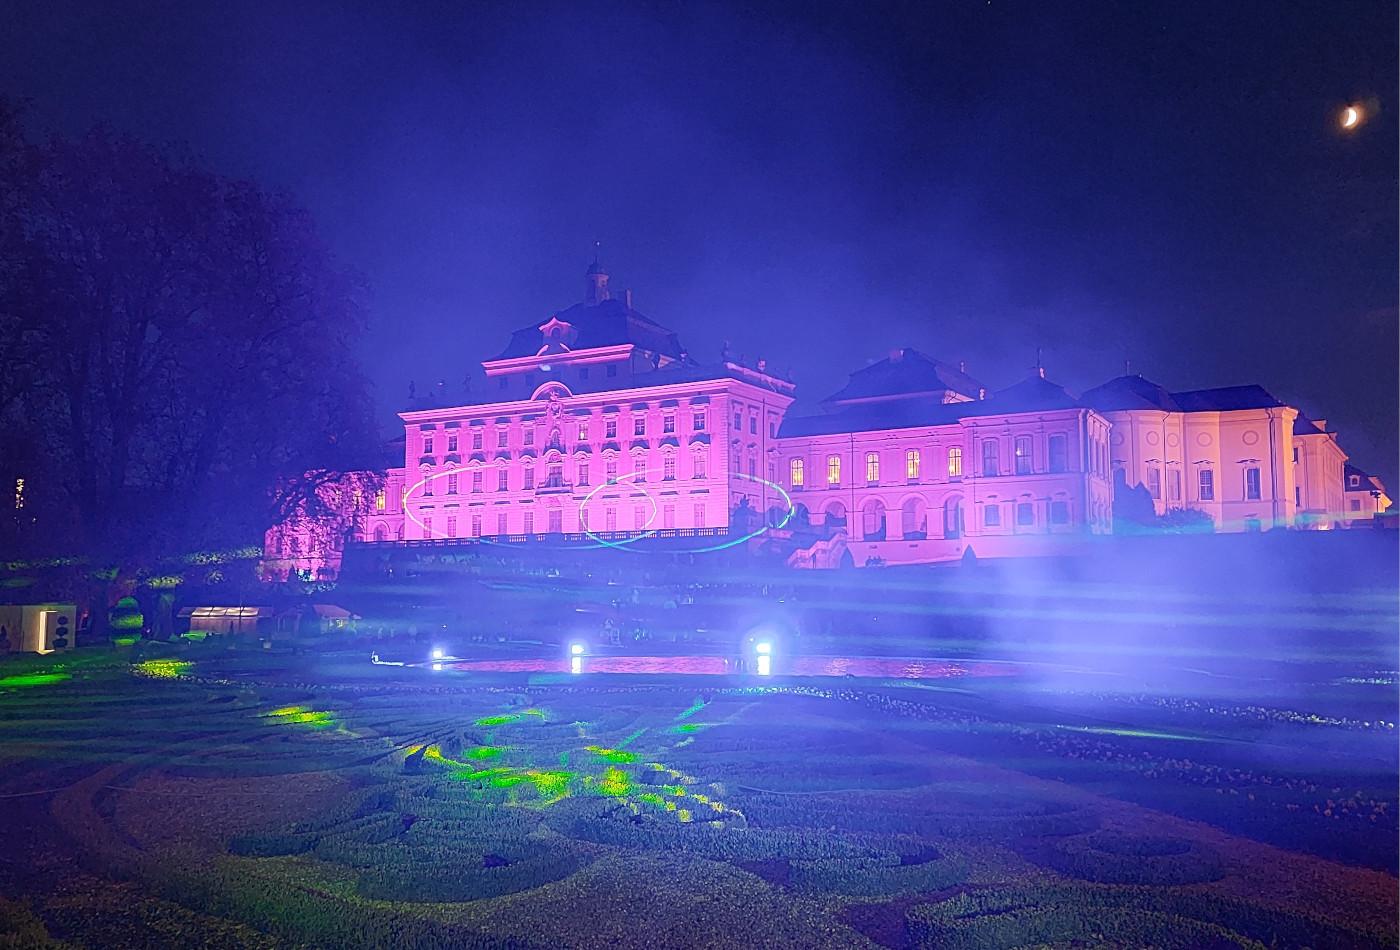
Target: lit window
(1207, 483)
(991, 516)
(1025, 513)
(379, 500)
(795, 473)
(911, 464)
(955, 462)
(872, 467)
(1023, 455)
(1251, 484)
(833, 469)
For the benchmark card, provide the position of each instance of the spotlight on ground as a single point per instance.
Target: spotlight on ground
(576, 649)
(439, 653)
(764, 659)
(437, 666)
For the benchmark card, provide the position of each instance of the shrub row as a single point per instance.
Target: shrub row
(1112, 858)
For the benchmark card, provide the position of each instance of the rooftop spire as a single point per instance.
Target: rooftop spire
(597, 289)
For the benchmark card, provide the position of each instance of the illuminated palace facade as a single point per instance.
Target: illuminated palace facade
(596, 425)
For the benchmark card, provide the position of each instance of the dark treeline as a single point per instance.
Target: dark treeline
(173, 344)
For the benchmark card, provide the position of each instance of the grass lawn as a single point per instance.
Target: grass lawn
(172, 803)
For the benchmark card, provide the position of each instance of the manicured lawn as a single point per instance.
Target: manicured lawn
(252, 803)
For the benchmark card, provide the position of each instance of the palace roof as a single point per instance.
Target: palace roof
(1135, 392)
(903, 374)
(607, 323)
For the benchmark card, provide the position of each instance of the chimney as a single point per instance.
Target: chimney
(627, 297)
(762, 365)
(1321, 424)
(962, 366)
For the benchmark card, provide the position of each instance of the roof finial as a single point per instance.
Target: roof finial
(1039, 364)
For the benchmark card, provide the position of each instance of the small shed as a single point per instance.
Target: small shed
(38, 628)
(240, 621)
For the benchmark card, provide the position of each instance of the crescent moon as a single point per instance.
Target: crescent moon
(1350, 117)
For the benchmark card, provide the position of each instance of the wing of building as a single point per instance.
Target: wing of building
(595, 424)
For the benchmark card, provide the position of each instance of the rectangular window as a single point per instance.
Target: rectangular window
(1174, 484)
(504, 382)
(1295, 455)
(640, 468)
(912, 461)
(476, 526)
(991, 516)
(872, 467)
(1023, 455)
(427, 445)
(697, 420)
(668, 517)
(1059, 453)
(1356, 504)
(611, 468)
(795, 473)
(700, 463)
(476, 438)
(639, 517)
(428, 526)
(501, 436)
(753, 424)
(583, 372)
(752, 468)
(451, 526)
(668, 424)
(476, 482)
(738, 420)
(955, 462)
(501, 523)
(583, 473)
(529, 476)
(428, 486)
(1025, 513)
(583, 430)
(1154, 482)
(668, 467)
(1251, 484)
(610, 429)
(639, 426)
(1059, 512)
(699, 516)
(529, 522)
(612, 370)
(451, 443)
(1298, 495)
(1207, 482)
(529, 435)
(833, 469)
(556, 521)
(379, 500)
(502, 480)
(452, 484)
(989, 457)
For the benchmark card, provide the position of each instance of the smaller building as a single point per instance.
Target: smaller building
(38, 628)
(1365, 496)
(1318, 461)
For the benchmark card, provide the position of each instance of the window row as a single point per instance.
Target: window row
(1205, 484)
(584, 431)
(642, 517)
(476, 480)
(1024, 464)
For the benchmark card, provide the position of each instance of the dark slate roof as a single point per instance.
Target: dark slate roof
(1135, 392)
(1305, 426)
(906, 372)
(1034, 394)
(1129, 392)
(606, 323)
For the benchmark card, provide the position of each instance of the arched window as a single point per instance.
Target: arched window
(381, 534)
(912, 464)
(836, 515)
(952, 518)
(872, 517)
(795, 473)
(872, 467)
(833, 469)
(914, 519)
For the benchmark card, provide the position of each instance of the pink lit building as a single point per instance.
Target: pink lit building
(596, 424)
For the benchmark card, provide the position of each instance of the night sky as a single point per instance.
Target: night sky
(1160, 182)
